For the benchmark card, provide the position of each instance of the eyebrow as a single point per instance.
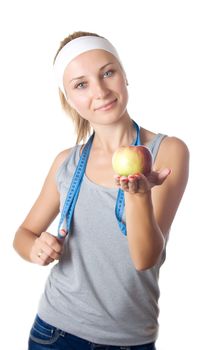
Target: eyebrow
(83, 76)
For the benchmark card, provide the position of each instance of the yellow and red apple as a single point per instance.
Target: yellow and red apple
(130, 160)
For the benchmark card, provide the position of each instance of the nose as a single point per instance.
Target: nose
(99, 90)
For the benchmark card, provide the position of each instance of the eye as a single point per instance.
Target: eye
(80, 85)
(108, 74)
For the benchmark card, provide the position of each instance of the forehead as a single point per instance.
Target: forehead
(90, 60)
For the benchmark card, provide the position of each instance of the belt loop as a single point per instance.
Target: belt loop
(61, 333)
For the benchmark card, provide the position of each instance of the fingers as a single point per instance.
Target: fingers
(124, 183)
(128, 183)
(133, 183)
(43, 259)
(139, 183)
(117, 180)
(46, 249)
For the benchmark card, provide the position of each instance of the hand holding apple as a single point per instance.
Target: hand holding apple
(133, 166)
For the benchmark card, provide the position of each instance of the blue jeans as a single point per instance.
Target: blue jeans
(44, 336)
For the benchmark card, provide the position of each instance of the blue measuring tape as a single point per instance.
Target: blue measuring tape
(65, 222)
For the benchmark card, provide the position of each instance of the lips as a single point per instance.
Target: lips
(106, 106)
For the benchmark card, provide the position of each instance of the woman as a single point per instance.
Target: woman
(103, 292)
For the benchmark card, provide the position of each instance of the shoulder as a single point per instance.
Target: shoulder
(60, 158)
(174, 155)
(169, 142)
(172, 149)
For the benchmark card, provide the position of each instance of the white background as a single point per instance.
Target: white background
(170, 52)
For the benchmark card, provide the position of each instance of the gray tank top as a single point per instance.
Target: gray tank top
(94, 291)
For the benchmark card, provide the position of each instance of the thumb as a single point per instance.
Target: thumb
(61, 235)
(163, 174)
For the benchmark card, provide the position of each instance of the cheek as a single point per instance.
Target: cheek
(79, 103)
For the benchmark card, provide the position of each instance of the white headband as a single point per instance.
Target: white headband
(76, 47)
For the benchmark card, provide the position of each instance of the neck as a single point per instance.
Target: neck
(110, 137)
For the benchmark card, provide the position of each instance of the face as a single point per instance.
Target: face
(95, 86)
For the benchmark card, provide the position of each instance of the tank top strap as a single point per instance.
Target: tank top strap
(155, 144)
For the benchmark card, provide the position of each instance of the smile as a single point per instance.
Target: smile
(106, 106)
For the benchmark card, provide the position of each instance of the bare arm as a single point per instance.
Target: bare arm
(150, 209)
(31, 237)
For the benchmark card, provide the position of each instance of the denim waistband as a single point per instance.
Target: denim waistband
(45, 333)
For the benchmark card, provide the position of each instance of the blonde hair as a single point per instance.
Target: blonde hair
(82, 126)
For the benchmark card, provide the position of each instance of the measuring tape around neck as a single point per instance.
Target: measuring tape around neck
(65, 222)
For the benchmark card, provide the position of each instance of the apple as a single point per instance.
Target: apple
(130, 160)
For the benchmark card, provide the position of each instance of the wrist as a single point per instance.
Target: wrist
(143, 195)
(136, 200)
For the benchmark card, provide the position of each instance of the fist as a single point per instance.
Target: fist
(46, 249)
